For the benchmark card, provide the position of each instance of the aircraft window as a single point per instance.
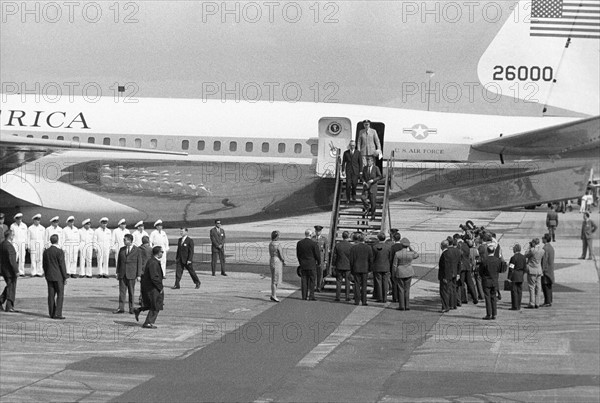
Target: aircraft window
(281, 148)
(233, 146)
(314, 149)
(44, 137)
(153, 143)
(91, 140)
(106, 141)
(30, 136)
(201, 145)
(185, 145)
(265, 147)
(298, 148)
(60, 138)
(217, 146)
(249, 146)
(122, 142)
(138, 143)
(75, 138)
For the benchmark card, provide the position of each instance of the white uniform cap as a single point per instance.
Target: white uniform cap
(86, 221)
(37, 216)
(70, 218)
(158, 222)
(104, 219)
(55, 218)
(139, 223)
(18, 215)
(121, 221)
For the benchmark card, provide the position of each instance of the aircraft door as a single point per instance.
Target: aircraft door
(333, 133)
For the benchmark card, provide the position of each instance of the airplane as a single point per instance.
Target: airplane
(190, 161)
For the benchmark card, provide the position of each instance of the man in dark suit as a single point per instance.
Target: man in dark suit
(351, 167)
(145, 251)
(588, 227)
(10, 271)
(489, 270)
(382, 261)
(361, 262)
(152, 289)
(465, 273)
(453, 261)
(516, 272)
(129, 269)
(445, 276)
(55, 271)
(548, 270)
(217, 249)
(396, 246)
(309, 258)
(184, 258)
(370, 177)
(341, 265)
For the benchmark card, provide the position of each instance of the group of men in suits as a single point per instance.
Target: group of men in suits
(133, 258)
(351, 257)
(55, 272)
(356, 165)
(464, 258)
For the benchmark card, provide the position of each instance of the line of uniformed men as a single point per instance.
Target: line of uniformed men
(79, 242)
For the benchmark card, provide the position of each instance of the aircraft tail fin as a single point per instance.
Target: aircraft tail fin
(547, 52)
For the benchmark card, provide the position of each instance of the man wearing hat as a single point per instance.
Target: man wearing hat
(9, 270)
(3, 227)
(71, 246)
(54, 229)
(118, 238)
(368, 142)
(102, 243)
(19, 230)
(323, 243)
(159, 238)
(36, 234)
(139, 233)
(86, 247)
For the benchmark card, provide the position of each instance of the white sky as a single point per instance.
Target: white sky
(373, 51)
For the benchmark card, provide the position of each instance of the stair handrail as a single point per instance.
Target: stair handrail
(385, 210)
(335, 207)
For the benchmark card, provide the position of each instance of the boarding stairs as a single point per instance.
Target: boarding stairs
(349, 215)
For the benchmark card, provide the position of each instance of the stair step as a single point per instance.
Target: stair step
(359, 226)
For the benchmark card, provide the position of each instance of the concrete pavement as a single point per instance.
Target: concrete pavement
(227, 342)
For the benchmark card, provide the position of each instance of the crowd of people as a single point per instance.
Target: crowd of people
(468, 267)
(389, 261)
(139, 257)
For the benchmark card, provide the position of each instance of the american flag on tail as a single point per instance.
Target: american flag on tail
(565, 18)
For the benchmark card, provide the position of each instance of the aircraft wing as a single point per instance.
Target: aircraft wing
(16, 150)
(581, 135)
(34, 144)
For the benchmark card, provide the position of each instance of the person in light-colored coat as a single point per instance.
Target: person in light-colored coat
(548, 270)
(534, 272)
(403, 272)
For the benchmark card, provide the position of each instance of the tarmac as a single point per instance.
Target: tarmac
(228, 342)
